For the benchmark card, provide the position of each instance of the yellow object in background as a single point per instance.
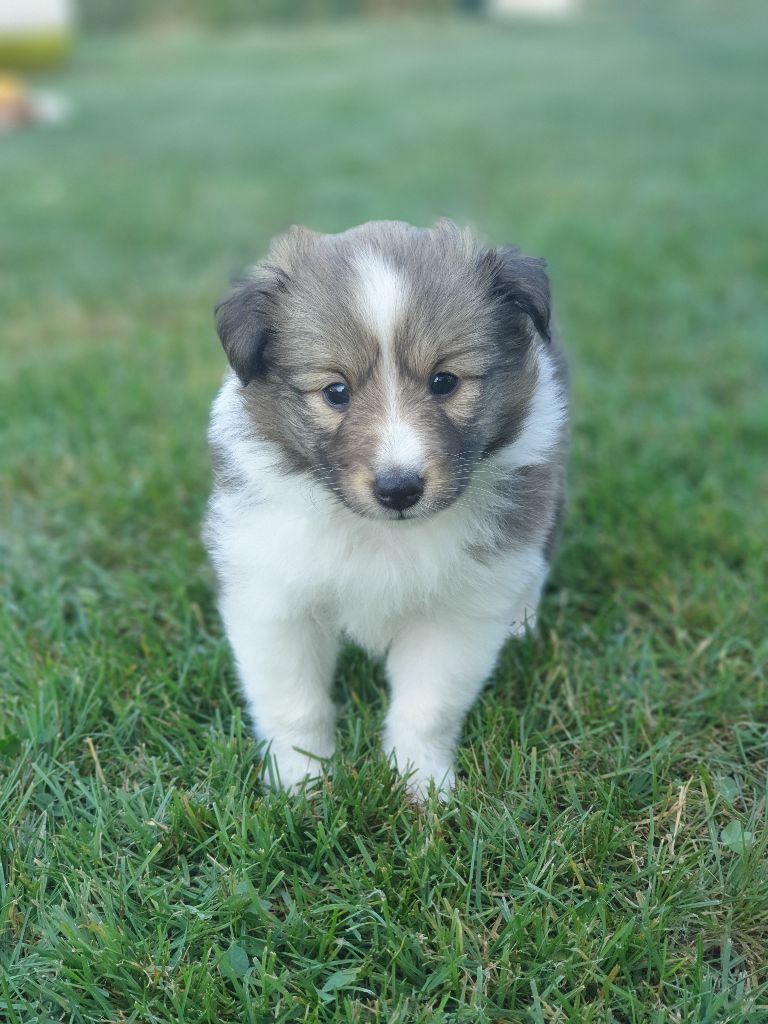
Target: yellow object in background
(34, 33)
(15, 106)
(11, 89)
(21, 106)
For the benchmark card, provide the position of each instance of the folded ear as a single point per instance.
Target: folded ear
(522, 281)
(244, 320)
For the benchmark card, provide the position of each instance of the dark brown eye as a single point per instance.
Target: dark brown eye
(443, 383)
(337, 395)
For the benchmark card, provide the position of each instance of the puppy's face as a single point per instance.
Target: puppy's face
(387, 360)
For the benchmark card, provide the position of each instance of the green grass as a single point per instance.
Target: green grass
(605, 857)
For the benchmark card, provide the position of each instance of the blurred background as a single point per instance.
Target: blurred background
(152, 149)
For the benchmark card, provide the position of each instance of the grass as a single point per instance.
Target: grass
(605, 856)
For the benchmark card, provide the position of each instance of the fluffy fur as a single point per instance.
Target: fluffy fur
(304, 549)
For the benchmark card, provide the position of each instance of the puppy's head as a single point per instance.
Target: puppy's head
(387, 360)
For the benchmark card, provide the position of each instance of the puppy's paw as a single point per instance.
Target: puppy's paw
(419, 782)
(293, 769)
(423, 765)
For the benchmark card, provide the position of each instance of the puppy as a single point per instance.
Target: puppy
(389, 449)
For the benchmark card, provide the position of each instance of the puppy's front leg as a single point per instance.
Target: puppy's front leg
(436, 669)
(286, 670)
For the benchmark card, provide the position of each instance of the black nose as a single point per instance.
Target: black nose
(398, 489)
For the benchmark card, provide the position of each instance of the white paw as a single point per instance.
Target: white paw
(420, 781)
(424, 765)
(289, 768)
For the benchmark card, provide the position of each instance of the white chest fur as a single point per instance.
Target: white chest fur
(358, 576)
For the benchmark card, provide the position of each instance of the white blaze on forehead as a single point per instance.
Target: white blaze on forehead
(382, 296)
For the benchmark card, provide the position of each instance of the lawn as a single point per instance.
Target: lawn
(605, 856)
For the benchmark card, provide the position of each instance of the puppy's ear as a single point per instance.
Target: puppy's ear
(244, 320)
(522, 281)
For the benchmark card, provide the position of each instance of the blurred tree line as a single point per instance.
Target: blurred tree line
(114, 14)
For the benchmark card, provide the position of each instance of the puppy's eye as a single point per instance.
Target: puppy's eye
(337, 395)
(443, 383)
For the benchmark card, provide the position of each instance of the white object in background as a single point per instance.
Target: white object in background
(543, 8)
(30, 17)
(51, 107)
